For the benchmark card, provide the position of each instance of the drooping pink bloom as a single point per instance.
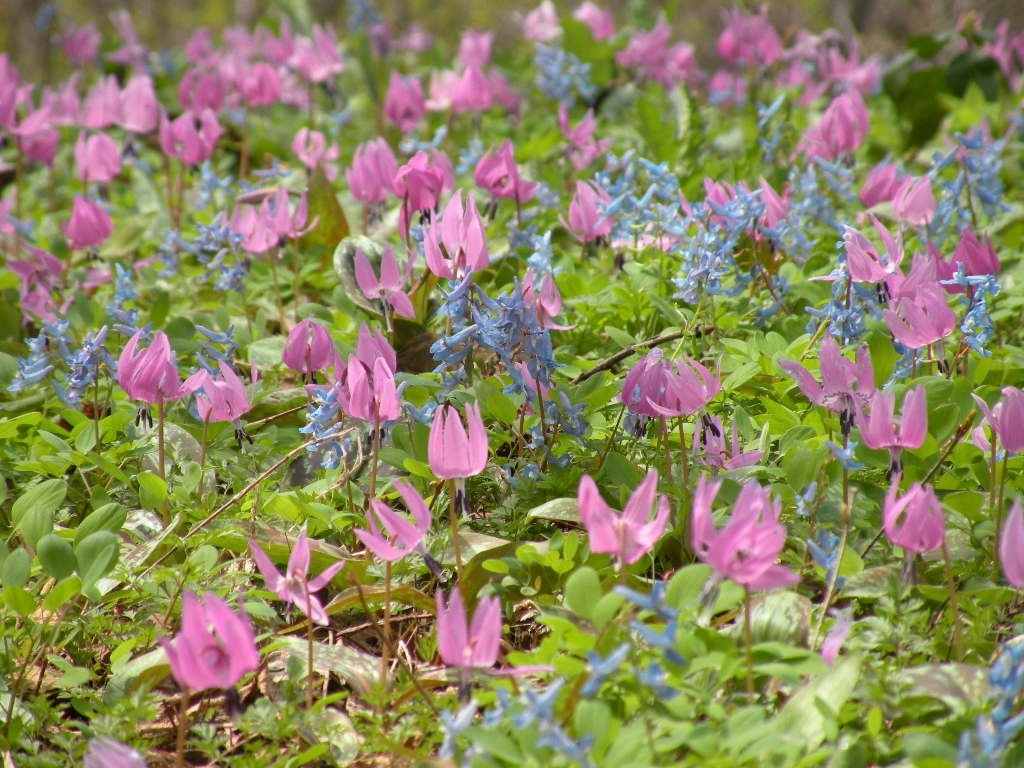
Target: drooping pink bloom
(415, 40)
(260, 85)
(295, 586)
(472, 93)
(475, 48)
(600, 21)
(215, 647)
(38, 138)
(441, 89)
(38, 275)
(89, 225)
(403, 536)
(583, 147)
(63, 103)
(102, 105)
(81, 44)
(388, 287)
(149, 375)
(133, 53)
(749, 544)
(842, 129)
(254, 227)
(978, 257)
(587, 220)
(311, 148)
(1011, 546)
(455, 243)
(881, 430)
(190, 137)
(371, 345)
(309, 348)
(749, 38)
(465, 645)
(371, 178)
(863, 262)
(541, 24)
(881, 184)
(218, 398)
(1005, 419)
(454, 454)
(105, 752)
(140, 110)
(631, 534)
(837, 635)
(665, 389)
(845, 386)
(498, 173)
(547, 303)
(404, 104)
(419, 183)
(287, 222)
(918, 314)
(776, 206)
(318, 59)
(370, 394)
(97, 157)
(709, 445)
(913, 521)
(914, 202)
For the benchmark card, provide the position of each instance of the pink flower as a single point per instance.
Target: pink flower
(140, 111)
(286, 222)
(587, 220)
(498, 174)
(104, 752)
(978, 257)
(388, 287)
(583, 148)
(472, 93)
(202, 89)
(776, 206)
(842, 129)
(311, 148)
(880, 186)
(1011, 546)
(220, 398)
(150, 375)
(309, 348)
(372, 175)
(373, 399)
(102, 106)
(918, 314)
(650, 53)
(845, 386)
(295, 586)
(454, 454)
(405, 536)
(97, 157)
(38, 138)
(468, 646)
(710, 439)
(541, 24)
(89, 226)
(475, 48)
(404, 105)
(191, 138)
(863, 263)
(632, 534)
(548, 303)
(749, 39)
(665, 389)
(133, 53)
(455, 243)
(255, 228)
(215, 648)
(371, 345)
(748, 546)
(318, 59)
(837, 635)
(81, 44)
(914, 521)
(261, 85)
(600, 22)
(1006, 419)
(914, 202)
(880, 429)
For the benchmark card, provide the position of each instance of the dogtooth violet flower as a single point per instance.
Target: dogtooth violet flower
(404, 104)
(218, 398)
(747, 547)
(468, 645)
(587, 220)
(1011, 546)
(151, 374)
(453, 453)
(668, 388)
(89, 225)
(309, 348)
(295, 586)
(880, 429)
(498, 173)
(402, 536)
(913, 521)
(631, 534)
(190, 137)
(371, 179)
(97, 157)
(387, 287)
(370, 393)
(215, 648)
(455, 243)
(1006, 420)
(105, 752)
(842, 128)
(311, 148)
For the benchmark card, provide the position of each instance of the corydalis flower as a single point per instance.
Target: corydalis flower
(295, 586)
(748, 546)
(215, 647)
(628, 535)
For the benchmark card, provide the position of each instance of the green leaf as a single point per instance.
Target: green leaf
(56, 556)
(807, 716)
(152, 490)
(563, 510)
(582, 591)
(109, 517)
(32, 513)
(61, 593)
(331, 225)
(16, 568)
(96, 555)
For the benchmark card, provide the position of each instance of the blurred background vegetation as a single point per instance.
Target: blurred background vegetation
(29, 29)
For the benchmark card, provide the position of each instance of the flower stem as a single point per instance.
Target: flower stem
(999, 510)
(179, 760)
(309, 650)
(161, 453)
(453, 517)
(385, 656)
(954, 606)
(277, 290)
(748, 639)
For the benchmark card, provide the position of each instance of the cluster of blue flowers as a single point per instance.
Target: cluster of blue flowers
(561, 76)
(987, 744)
